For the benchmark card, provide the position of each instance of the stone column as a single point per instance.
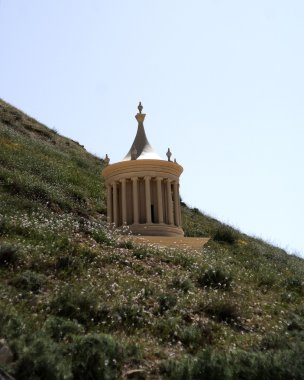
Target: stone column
(109, 204)
(148, 199)
(169, 201)
(176, 203)
(123, 201)
(160, 210)
(115, 204)
(179, 208)
(135, 199)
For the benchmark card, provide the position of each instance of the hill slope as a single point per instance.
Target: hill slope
(77, 301)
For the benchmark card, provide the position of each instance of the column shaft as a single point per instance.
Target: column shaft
(135, 199)
(115, 204)
(169, 201)
(148, 199)
(124, 201)
(160, 210)
(109, 203)
(179, 209)
(176, 204)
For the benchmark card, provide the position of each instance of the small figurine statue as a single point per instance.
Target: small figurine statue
(140, 107)
(169, 154)
(175, 161)
(106, 160)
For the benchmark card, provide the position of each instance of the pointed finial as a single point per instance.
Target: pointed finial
(140, 117)
(169, 154)
(140, 107)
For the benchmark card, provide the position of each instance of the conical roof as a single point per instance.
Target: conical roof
(141, 149)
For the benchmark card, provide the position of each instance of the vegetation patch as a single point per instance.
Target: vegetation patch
(215, 278)
(225, 234)
(9, 255)
(78, 300)
(76, 303)
(29, 281)
(97, 357)
(223, 311)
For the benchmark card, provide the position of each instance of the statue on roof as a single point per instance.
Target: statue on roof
(169, 154)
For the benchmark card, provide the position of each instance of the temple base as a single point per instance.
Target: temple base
(156, 230)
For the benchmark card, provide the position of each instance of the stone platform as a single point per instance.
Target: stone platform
(171, 242)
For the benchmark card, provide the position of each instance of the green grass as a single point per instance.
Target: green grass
(76, 300)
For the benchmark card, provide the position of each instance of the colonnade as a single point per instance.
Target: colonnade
(143, 200)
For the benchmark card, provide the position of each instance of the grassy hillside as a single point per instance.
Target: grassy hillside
(79, 302)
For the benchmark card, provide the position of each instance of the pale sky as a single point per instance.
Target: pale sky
(221, 82)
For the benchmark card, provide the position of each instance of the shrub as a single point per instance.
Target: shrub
(141, 252)
(239, 364)
(97, 357)
(211, 365)
(166, 328)
(266, 280)
(68, 262)
(184, 284)
(11, 325)
(288, 297)
(179, 259)
(166, 302)
(225, 234)
(86, 254)
(3, 226)
(208, 364)
(41, 359)
(177, 370)
(295, 284)
(101, 237)
(76, 304)
(295, 323)
(129, 316)
(148, 291)
(194, 231)
(125, 243)
(273, 342)
(216, 279)
(272, 365)
(223, 311)
(195, 337)
(29, 281)
(9, 255)
(60, 328)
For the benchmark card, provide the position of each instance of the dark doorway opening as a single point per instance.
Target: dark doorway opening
(152, 214)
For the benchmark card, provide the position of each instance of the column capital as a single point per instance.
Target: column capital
(122, 180)
(159, 178)
(134, 179)
(147, 178)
